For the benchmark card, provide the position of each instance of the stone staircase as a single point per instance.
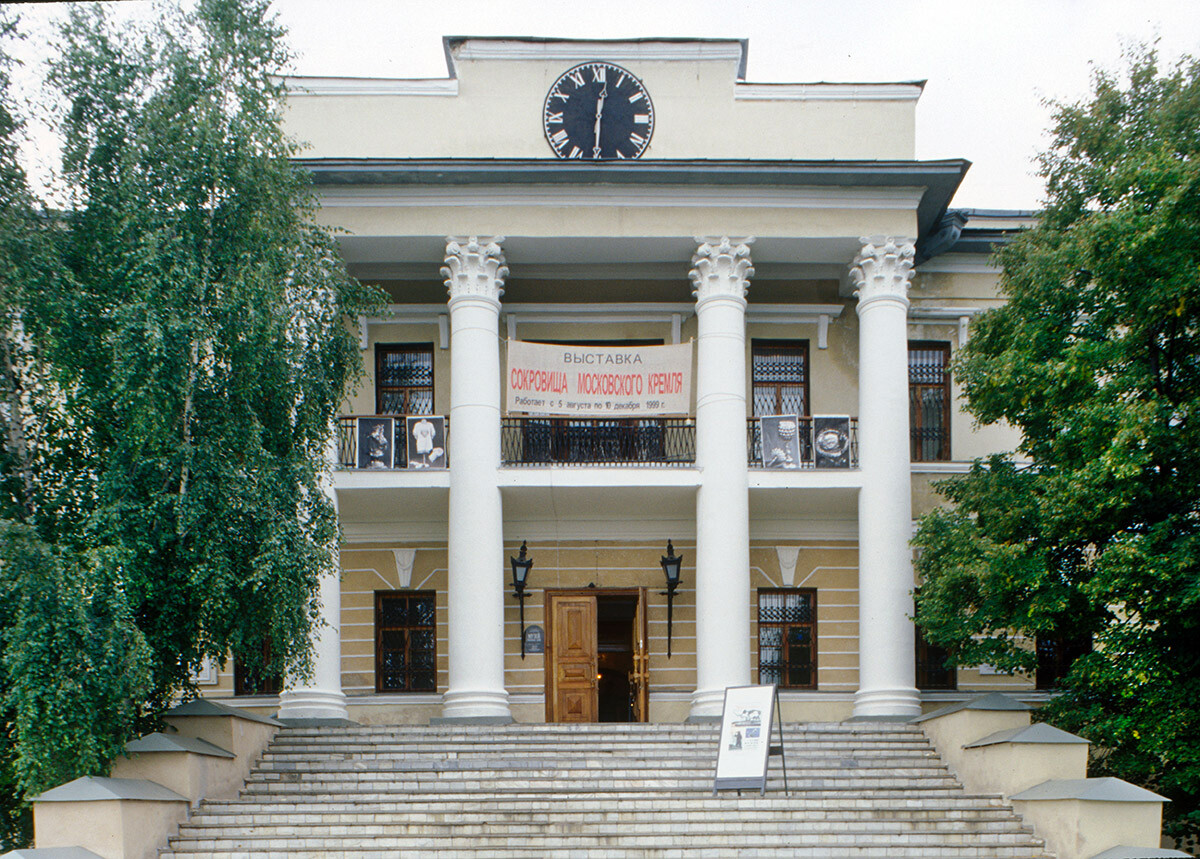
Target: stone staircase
(584, 791)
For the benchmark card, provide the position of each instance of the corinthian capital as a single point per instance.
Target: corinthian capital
(721, 268)
(883, 269)
(474, 266)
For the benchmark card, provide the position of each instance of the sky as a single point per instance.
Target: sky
(990, 66)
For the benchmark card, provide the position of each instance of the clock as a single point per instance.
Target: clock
(598, 112)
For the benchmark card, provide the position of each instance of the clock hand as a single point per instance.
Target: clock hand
(599, 114)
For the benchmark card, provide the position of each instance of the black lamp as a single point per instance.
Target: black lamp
(671, 565)
(520, 573)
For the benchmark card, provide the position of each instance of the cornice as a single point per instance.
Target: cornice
(906, 91)
(645, 196)
(938, 179)
(582, 50)
(299, 87)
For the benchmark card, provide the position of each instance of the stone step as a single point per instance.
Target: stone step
(536, 845)
(577, 851)
(597, 792)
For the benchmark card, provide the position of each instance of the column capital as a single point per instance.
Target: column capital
(721, 268)
(474, 267)
(883, 269)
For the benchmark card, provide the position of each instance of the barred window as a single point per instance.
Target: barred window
(405, 641)
(929, 401)
(255, 681)
(1055, 657)
(932, 672)
(404, 379)
(779, 377)
(787, 637)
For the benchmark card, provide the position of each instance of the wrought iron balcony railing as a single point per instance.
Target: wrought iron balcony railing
(807, 459)
(597, 441)
(347, 430)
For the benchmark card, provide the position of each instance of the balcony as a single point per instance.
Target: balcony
(597, 441)
(347, 434)
(806, 442)
(600, 441)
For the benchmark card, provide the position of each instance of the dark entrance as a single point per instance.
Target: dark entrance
(614, 645)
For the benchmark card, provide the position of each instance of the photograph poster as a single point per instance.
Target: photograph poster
(831, 441)
(780, 441)
(376, 442)
(745, 743)
(426, 438)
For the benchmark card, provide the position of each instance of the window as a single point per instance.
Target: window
(932, 672)
(929, 400)
(255, 681)
(404, 379)
(405, 641)
(779, 377)
(1055, 657)
(787, 638)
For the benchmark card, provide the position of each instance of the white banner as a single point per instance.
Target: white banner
(605, 381)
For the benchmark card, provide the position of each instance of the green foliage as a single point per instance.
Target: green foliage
(1094, 360)
(175, 349)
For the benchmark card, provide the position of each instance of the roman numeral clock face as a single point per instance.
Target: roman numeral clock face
(598, 112)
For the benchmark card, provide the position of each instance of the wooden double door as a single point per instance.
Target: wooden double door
(597, 661)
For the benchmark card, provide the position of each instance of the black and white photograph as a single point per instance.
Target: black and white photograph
(376, 442)
(780, 441)
(831, 441)
(426, 440)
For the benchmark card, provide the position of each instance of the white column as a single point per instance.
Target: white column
(474, 274)
(321, 696)
(720, 274)
(887, 662)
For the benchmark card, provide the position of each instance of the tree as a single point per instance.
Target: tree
(1095, 358)
(175, 353)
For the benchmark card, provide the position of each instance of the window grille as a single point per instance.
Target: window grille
(1055, 657)
(405, 641)
(779, 377)
(932, 672)
(255, 681)
(404, 379)
(787, 638)
(929, 401)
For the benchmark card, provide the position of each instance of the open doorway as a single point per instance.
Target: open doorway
(596, 666)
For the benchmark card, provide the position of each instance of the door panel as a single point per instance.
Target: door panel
(640, 678)
(573, 695)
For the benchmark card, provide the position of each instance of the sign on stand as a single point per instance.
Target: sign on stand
(745, 744)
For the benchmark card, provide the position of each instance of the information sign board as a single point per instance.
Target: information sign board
(745, 738)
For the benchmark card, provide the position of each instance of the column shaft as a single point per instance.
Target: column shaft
(720, 274)
(321, 696)
(475, 275)
(887, 659)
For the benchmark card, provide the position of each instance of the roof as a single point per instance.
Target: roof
(206, 707)
(1091, 789)
(95, 789)
(159, 742)
(51, 853)
(1039, 732)
(1126, 852)
(991, 701)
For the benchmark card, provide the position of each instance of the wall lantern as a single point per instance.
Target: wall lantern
(520, 573)
(671, 564)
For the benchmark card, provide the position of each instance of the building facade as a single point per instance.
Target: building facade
(611, 198)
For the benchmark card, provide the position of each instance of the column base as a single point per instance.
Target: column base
(476, 704)
(306, 704)
(707, 705)
(887, 704)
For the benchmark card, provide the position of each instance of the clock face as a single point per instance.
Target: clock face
(598, 112)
